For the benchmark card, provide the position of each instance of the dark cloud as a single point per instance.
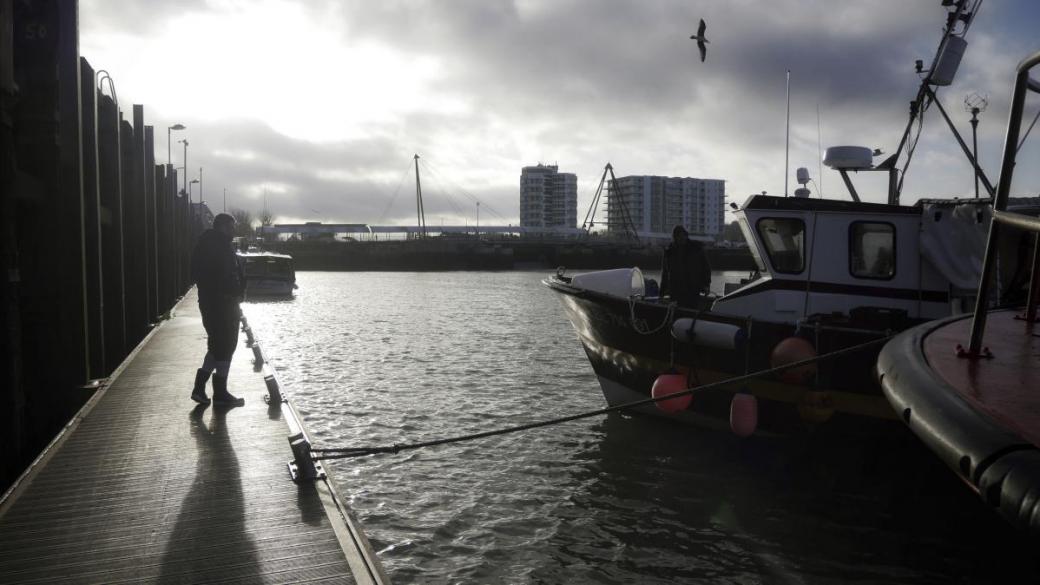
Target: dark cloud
(633, 55)
(365, 180)
(137, 17)
(583, 82)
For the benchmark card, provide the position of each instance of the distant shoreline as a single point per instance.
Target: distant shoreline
(446, 255)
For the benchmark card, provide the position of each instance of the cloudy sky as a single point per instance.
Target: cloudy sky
(321, 104)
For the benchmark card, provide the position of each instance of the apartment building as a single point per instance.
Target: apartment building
(653, 204)
(548, 198)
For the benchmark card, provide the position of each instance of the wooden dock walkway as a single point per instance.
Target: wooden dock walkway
(144, 486)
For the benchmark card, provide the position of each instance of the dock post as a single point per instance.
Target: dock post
(274, 392)
(303, 467)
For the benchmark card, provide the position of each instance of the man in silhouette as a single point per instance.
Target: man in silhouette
(214, 268)
(685, 272)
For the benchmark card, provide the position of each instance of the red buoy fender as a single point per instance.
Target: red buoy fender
(743, 414)
(790, 350)
(666, 384)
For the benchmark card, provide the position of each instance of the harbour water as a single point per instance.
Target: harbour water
(381, 358)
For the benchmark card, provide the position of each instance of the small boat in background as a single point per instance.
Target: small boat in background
(977, 405)
(267, 273)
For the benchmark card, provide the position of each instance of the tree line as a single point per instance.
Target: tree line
(246, 221)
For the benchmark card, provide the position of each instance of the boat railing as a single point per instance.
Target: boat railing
(1002, 217)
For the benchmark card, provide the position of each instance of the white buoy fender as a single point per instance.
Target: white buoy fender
(621, 282)
(708, 333)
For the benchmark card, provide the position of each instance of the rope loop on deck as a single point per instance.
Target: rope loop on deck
(351, 452)
(639, 328)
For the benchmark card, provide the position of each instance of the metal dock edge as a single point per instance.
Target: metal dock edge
(142, 485)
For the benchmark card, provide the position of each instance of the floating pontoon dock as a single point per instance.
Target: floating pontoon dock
(143, 485)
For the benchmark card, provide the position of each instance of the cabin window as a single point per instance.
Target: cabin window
(254, 268)
(784, 240)
(872, 250)
(275, 268)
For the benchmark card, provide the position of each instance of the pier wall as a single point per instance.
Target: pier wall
(94, 240)
(490, 254)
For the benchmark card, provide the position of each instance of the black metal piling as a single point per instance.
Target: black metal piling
(94, 239)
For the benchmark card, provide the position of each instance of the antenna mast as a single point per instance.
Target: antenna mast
(787, 141)
(819, 149)
(940, 73)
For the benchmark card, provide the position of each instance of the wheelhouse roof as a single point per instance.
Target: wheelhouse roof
(273, 255)
(772, 203)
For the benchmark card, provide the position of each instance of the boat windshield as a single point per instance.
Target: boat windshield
(267, 267)
(784, 240)
(872, 250)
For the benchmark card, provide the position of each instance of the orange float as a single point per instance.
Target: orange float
(666, 384)
(789, 351)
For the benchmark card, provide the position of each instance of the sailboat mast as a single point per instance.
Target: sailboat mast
(419, 212)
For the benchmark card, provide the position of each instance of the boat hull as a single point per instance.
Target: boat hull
(629, 344)
(977, 415)
(269, 287)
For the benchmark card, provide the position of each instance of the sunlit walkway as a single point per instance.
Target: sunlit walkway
(147, 487)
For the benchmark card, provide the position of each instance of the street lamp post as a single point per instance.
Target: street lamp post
(187, 185)
(187, 194)
(192, 215)
(169, 150)
(185, 142)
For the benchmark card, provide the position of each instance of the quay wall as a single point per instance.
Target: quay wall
(473, 254)
(94, 240)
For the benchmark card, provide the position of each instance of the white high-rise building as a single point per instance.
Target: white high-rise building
(548, 198)
(652, 204)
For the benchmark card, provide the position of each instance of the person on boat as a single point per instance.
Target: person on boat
(215, 270)
(685, 272)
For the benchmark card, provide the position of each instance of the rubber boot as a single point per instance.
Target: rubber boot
(221, 395)
(198, 394)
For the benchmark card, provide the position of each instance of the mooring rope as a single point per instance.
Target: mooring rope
(349, 452)
(639, 328)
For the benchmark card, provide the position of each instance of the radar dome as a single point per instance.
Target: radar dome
(849, 158)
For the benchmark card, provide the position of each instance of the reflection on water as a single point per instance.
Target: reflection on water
(382, 358)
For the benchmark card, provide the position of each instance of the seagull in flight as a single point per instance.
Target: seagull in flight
(701, 40)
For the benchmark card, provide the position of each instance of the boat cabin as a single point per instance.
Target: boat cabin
(267, 273)
(823, 256)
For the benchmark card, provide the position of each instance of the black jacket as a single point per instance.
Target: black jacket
(214, 268)
(685, 272)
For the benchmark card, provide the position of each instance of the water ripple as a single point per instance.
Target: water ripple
(383, 358)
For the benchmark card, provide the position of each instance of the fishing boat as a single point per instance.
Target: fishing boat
(967, 385)
(267, 273)
(832, 276)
